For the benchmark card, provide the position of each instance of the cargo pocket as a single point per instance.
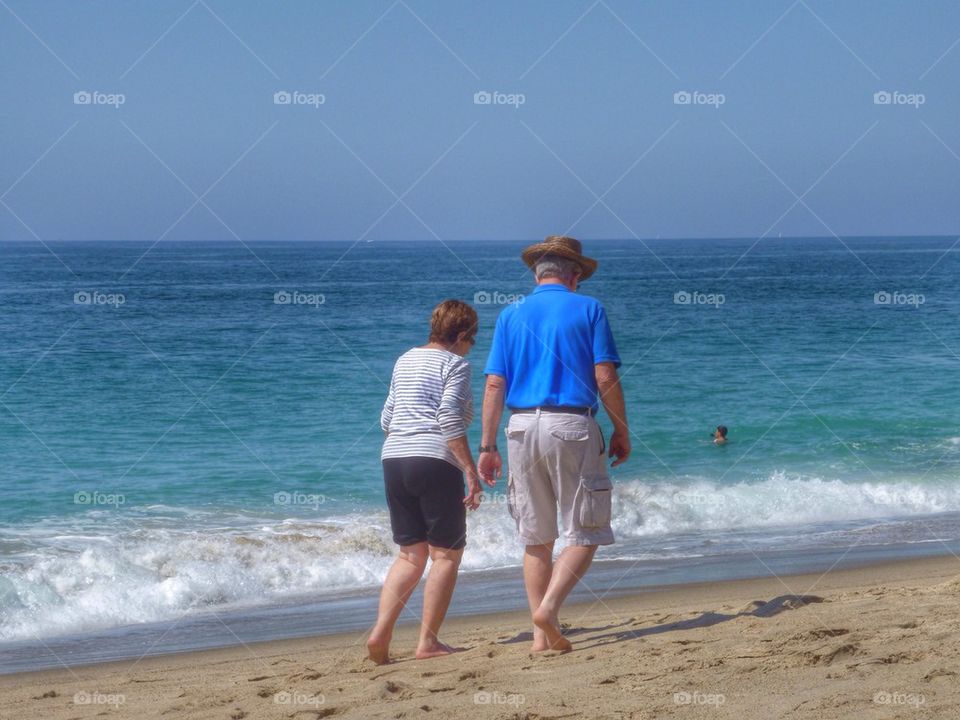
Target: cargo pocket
(597, 491)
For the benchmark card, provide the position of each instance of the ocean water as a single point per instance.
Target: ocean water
(193, 428)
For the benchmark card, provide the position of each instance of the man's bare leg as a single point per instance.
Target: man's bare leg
(572, 565)
(537, 569)
(441, 581)
(401, 581)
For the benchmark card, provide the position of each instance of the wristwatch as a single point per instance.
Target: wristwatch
(487, 448)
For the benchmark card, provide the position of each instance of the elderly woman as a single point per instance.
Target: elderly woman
(425, 457)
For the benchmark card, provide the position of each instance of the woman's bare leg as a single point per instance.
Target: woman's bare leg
(397, 588)
(441, 580)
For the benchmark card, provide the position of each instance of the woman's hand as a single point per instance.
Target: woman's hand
(474, 493)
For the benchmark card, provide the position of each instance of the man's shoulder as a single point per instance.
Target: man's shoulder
(589, 300)
(510, 311)
(579, 301)
(536, 304)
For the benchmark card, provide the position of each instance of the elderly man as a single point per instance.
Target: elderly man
(551, 355)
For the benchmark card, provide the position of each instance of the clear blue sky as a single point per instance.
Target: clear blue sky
(398, 79)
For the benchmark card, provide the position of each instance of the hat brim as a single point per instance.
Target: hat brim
(532, 255)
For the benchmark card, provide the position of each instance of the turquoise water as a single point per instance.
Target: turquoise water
(183, 441)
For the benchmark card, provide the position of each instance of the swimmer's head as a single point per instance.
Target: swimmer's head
(721, 431)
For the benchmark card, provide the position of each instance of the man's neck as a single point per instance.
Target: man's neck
(557, 281)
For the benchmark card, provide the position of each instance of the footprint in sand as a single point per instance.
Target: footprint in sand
(820, 633)
(827, 655)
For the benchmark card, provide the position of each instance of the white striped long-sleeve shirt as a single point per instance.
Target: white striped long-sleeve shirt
(429, 403)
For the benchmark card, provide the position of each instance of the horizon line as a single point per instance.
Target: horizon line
(677, 238)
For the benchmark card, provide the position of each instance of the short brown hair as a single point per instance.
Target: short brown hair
(449, 319)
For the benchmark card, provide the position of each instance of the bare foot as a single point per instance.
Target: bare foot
(551, 629)
(437, 649)
(378, 648)
(539, 640)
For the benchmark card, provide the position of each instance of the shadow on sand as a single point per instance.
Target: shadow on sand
(760, 608)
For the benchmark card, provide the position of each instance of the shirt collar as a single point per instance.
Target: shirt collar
(549, 287)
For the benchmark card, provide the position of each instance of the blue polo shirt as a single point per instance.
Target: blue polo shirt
(546, 347)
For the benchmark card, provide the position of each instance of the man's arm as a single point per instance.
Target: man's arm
(611, 395)
(491, 464)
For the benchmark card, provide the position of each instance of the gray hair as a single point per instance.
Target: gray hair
(554, 266)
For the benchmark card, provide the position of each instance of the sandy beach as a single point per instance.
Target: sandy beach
(873, 642)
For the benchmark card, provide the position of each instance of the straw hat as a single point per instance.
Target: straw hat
(565, 247)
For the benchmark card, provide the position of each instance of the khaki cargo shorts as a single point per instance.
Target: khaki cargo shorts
(555, 462)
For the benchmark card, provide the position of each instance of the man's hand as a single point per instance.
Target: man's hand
(489, 464)
(611, 395)
(474, 493)
(490, 467)
(619, 447)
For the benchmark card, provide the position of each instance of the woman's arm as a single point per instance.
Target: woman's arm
(461, 451)
(387, 414)
(452, 416)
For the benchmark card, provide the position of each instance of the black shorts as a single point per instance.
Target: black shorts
(425, 499)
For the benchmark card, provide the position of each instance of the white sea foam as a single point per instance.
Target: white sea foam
(110, 570)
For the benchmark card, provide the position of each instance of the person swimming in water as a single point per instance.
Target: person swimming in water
(720, 435)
